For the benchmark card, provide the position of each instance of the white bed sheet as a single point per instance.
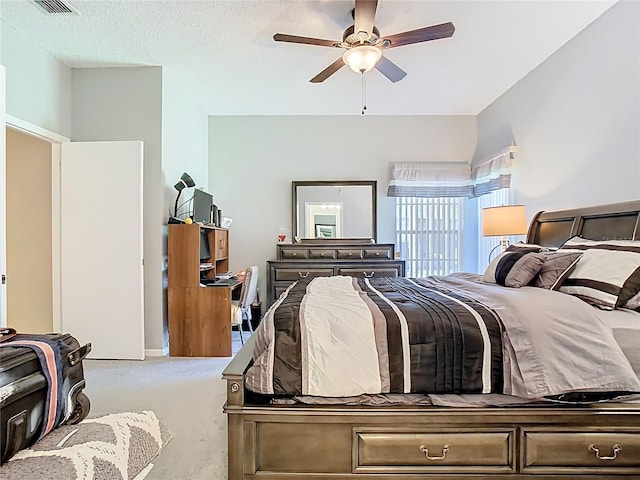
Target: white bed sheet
(626, 330)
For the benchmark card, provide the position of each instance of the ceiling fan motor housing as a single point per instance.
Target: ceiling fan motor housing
(350, 37)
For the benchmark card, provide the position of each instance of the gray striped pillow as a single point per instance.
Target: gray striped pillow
(556, 268)
(513, 269)
(607, 275)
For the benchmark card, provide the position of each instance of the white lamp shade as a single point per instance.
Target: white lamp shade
(504, 220)
(362, 58)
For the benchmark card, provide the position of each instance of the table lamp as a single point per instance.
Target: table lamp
(503, 221)
(185, 181)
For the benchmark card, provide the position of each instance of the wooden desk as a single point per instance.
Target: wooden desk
(199, 316)
(200, 321)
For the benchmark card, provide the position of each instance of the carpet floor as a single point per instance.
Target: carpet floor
(187, 393)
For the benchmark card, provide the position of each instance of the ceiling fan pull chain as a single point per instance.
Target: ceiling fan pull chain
(364, 94)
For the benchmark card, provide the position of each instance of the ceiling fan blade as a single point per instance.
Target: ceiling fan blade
(434, 32)
(390, 69)
(283, 37)
(365, 14)
(327, 72)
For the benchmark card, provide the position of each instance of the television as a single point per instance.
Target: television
(202, 203)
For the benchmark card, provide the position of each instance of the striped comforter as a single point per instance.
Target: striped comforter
(341, 336)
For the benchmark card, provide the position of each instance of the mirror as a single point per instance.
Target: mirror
(334, 210)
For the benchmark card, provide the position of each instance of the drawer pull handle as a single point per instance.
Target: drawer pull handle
(425, 450)
(616, 450)
(368, 275)
(377, 254)
(350, 253)
(295, 254)
(303, 275)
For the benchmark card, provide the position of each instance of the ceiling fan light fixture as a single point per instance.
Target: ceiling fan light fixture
(362, 58)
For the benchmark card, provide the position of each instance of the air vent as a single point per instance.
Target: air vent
(55, 7)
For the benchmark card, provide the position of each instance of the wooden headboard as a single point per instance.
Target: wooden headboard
(615, 221)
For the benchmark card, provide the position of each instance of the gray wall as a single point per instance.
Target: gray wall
(38, 85)
(254, 159)
(126, 104)
(575, 119)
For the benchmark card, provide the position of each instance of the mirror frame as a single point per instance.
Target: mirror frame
(334, 183)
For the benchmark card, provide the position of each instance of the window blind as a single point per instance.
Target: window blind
(429, 234)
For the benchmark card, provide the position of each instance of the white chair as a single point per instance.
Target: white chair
(241, 309)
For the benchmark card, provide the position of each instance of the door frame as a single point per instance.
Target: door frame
(3, 200)
(55, 140)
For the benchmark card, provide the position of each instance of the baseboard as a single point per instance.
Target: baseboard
(156, 352)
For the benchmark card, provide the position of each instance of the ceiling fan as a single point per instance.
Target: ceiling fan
(364, 44)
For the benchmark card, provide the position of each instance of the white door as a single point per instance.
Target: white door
(3, 199)
(101, 263)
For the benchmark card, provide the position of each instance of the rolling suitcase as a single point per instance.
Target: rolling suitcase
(41, 382)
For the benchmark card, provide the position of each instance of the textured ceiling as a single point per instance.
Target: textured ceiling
(224, 53)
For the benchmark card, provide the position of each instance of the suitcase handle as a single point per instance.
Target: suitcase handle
(79, 354)
(7, 333)
(16, 434)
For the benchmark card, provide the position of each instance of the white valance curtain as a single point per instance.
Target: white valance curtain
(493, 173)
(430, 180)
(452, 179)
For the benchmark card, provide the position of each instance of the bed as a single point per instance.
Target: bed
(555, 436)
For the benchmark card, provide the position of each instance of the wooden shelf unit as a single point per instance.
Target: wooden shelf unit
(199, 316)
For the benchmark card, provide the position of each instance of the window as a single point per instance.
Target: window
(431, 198)
(429, 234)
(486, 244)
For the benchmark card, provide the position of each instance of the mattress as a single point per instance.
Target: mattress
(626, 330)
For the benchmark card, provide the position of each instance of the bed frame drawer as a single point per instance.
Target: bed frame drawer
(442, 451)
(616, 452)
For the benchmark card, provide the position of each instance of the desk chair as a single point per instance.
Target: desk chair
(241, 309)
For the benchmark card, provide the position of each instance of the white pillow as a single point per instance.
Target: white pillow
(607, 275)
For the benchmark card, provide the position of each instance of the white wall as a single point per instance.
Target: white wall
(184, 149)
(254, 159)
(575, 119)
(126, 104)
(139, 103)
(38, 85)
(184, 140)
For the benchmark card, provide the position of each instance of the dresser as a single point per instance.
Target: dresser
(307, 260)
